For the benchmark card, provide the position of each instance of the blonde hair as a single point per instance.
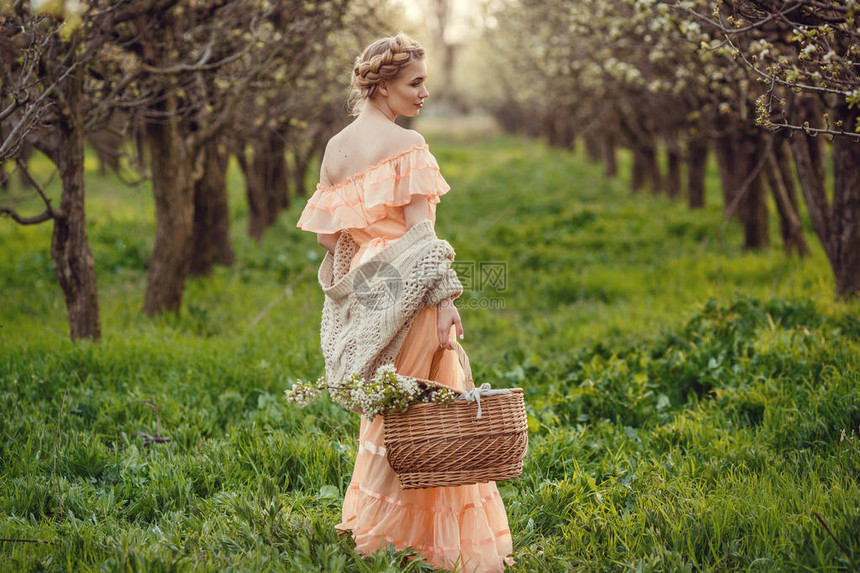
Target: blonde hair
(382, 60)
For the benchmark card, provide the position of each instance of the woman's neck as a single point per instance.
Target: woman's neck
(375, 109)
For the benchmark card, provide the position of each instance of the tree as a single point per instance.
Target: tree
(805, 57)
(298, 102)
(181, 51)
(52, 95)
(683, 76)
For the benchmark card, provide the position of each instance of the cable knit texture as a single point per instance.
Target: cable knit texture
(368, 310)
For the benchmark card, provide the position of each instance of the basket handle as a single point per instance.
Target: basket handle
(464, 363)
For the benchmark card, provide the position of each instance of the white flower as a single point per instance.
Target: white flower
(386, 390)
(386, 369)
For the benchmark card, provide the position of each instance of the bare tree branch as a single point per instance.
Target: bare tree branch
(21, 220)
(816, 130)
(773, 78)
(722, 28)
(97, 113)
(126, 10)
(53, 213)
(10, 109)
(23, 125)
(179, 68)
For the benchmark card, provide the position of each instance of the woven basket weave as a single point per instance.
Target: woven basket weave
(438, 445)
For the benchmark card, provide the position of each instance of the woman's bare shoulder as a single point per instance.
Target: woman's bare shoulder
(351, 150)
(336, 151)
(381, 140)
(406, 139)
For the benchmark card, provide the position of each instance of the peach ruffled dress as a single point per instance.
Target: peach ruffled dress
(462, 528)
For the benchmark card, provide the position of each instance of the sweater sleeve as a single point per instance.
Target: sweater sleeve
(433, 270)
(448, 286)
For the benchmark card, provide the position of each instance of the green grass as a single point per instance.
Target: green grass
(690, 404)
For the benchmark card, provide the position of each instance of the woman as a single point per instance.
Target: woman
(377, 181)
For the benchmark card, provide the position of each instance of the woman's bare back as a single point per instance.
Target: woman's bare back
(362, 144)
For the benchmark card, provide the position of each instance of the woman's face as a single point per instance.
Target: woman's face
(406, 92)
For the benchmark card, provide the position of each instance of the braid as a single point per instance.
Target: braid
(381, 61)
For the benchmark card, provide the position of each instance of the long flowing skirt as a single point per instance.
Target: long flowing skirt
(461, 528)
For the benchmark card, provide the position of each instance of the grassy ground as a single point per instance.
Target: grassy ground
(691, 406)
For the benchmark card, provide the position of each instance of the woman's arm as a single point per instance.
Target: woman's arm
(328, 240)
(416, 210)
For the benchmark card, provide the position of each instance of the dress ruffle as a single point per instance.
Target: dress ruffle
(363, 199)
(462, 527)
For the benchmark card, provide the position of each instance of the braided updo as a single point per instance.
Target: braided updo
(380, 61)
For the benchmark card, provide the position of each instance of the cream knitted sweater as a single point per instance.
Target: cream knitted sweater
(368, 310)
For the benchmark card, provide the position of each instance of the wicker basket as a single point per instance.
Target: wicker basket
(438, 445)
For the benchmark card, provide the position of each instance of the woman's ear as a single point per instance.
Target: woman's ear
(383, 88)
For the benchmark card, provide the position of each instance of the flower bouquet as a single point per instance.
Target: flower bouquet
(385, 391)
(479, 435)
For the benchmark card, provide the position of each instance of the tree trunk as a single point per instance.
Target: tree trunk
(70, 246)
(754, 216)
(645, 169)
(593, 149)
(4, 175)
(210, 241)
(784, 195)
(752, 209)
(108, 147)
(673, 179)
(25, 154)
(656, 180)
(272, 163)
(724, 149)
(837, 224)
(558, 134)
(254, 193)
(568, 133)
(610, 163)
(278, 175)
(697, 161)
(265, 183)
(174, 210)
(637, 177)
(301, 160)
(846, 211)
(786, 167)
(739, 155)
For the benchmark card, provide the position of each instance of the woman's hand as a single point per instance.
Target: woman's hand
(447, 314)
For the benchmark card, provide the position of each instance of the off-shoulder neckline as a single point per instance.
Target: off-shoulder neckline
(363, 173)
